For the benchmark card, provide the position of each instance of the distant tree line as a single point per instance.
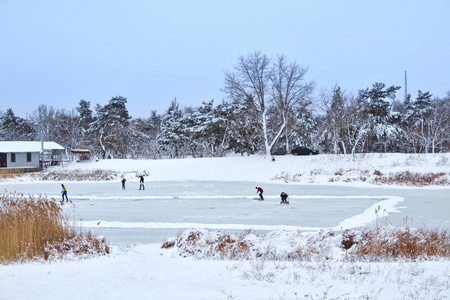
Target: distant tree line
(269, 104)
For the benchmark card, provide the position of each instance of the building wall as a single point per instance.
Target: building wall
(21, 160)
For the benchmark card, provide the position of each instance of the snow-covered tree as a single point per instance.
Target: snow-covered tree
(151, 130)
(70, 133)
(427, 122)
(110, 126)
(86, 118)
(336, 120)
(375, 112)
(171, 138)
(143, 133)
(204, 129)
(242, 134)
(13, 128)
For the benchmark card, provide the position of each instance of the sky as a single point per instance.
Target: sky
(150, 52)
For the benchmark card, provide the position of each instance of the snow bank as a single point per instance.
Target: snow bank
(319, 169)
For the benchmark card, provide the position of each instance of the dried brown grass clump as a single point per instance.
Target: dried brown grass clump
(8, 175)
(404, 243)
(34, 228)
(377, 177)
(229, 247)
(412, 179)
(84, 175)
(313, 246)
(196, 242)
(80, 244)
(79, 175)
(286, 177)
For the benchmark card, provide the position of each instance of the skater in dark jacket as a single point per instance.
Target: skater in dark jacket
(284, 197)
(260, 191)
(141, 186)
(123, 183)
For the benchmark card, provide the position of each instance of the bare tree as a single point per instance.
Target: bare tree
(251, 80)
(289, 90)
(43, 119)
(258, 86)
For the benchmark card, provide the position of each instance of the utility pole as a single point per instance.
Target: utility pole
(406, 86)
(42, 150)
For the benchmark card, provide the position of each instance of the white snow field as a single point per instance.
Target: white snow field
(326, 192)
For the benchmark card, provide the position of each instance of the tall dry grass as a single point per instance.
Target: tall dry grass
(35, 228)
(412, 179)
(406, 243)
(385, 243)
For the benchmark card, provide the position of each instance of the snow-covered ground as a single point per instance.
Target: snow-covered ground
(326, 192)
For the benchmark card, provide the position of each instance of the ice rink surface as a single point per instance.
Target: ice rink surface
(164, 208)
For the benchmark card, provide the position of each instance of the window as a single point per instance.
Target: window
(13, 157)
(28, 156)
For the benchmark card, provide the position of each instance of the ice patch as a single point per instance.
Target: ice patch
(377, 210)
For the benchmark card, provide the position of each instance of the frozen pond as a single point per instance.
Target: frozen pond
(163, 209)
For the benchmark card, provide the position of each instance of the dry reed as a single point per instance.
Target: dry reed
(386, 243)
(412, 179)
(403, 243)
(33, 227)
(79, 175)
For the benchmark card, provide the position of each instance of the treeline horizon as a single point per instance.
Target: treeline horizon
(269, 104)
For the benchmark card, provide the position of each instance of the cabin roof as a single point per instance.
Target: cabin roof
(25, 146)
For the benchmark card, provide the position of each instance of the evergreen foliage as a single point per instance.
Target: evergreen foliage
(268, 105)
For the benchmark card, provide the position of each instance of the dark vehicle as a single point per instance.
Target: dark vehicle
(279, 151)
(304, 151)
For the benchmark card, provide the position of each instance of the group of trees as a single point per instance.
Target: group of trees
(269, 103)
(375, 121)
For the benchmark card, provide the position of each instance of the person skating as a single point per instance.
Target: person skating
(141, 186)
(284, 197)
(64, 193)
(123, 183)
(260, 191)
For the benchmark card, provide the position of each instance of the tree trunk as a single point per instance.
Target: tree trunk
(266, 139)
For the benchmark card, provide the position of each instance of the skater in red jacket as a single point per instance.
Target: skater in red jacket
(260, 191)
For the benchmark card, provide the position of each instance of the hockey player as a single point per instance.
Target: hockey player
(260, 191)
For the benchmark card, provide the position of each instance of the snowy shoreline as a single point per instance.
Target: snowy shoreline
(320, 169)
(145, 271)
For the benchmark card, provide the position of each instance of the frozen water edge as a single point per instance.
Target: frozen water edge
(131, 216)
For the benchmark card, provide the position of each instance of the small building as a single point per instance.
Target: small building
(28, 155)
(80, 154)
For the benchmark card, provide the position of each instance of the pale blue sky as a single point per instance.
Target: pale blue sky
(58, 52)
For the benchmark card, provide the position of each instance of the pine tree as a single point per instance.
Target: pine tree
(14, 128)
(375, 111)
(86, 118)
(111, 127)
(171, 138)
